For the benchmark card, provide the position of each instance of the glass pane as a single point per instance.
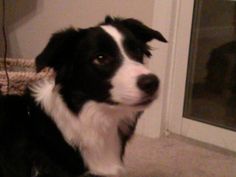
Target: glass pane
(211, 79)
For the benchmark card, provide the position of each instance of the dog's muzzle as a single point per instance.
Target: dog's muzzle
(148, 83)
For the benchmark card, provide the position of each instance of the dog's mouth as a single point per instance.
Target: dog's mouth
(145, 102)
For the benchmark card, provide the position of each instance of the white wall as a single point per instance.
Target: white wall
(30, 23)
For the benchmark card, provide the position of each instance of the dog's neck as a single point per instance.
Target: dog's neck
(94, 131)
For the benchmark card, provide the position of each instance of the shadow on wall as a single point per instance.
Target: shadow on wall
(17, 14)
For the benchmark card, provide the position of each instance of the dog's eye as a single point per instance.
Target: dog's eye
(101, 60)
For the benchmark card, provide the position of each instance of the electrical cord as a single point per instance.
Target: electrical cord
(5, 43)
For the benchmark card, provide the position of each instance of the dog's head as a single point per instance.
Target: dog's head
(103, 63)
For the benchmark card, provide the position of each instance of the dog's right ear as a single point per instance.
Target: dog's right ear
(58, 50)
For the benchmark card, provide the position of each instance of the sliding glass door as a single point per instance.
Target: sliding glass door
(206, 90)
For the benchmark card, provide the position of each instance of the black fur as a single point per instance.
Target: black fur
(31, 144)
(30, 140)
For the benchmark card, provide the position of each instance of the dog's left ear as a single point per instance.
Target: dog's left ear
(141, 31)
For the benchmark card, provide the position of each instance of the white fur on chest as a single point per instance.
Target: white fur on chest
(94, 130)
(100, 143)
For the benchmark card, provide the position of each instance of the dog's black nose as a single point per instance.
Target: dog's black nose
(148, 83)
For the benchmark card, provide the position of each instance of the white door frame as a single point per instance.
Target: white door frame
(178, 69)
(174, 120)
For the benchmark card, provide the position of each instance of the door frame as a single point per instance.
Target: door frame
(179, 53)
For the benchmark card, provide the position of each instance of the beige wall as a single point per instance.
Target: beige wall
(30, 23)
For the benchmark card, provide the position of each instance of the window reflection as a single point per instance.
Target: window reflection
(211, 81)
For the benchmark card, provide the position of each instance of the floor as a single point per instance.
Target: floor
(176, 156)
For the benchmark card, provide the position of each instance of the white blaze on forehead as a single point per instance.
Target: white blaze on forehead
(124, 81)
(117, 37)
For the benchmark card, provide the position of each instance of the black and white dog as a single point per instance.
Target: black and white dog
(79, 120)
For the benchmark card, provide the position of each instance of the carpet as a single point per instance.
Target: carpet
(176, 156)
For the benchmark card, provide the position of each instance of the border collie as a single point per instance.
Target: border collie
(79, 120)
